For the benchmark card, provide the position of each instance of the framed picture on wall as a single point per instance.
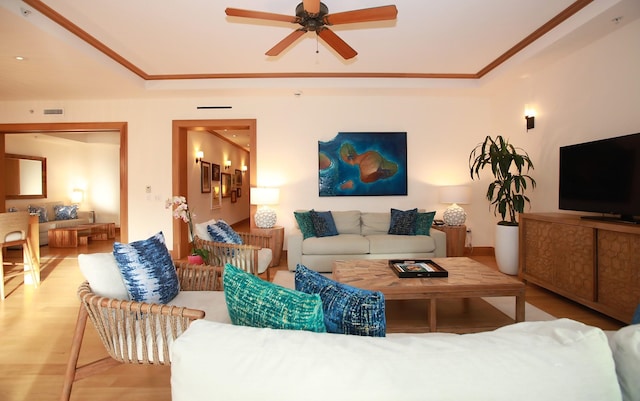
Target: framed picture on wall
(216, 197)
(215, 172)
(234, 197)
(205, 177)
(238, 175)
(239, 192)
(225, 182)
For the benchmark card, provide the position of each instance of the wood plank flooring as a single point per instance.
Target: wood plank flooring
(36, 326)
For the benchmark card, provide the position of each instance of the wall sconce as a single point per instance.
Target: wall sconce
(199, 156)
(77, 195)
(227, 164)
(530, 117)
(244, 169)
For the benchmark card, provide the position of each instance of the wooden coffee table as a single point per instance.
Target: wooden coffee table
(71, 237)
(467, 280)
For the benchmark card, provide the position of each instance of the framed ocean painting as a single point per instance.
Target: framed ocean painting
(363, 164)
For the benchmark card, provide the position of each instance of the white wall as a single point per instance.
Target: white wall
(92, 167)
(592, 93)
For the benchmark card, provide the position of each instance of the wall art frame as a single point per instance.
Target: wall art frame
(215, 172)
(363, 164)
(225, 182)
(205, 177)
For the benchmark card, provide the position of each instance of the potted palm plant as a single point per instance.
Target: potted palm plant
(509, 166)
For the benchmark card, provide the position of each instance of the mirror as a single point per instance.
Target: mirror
(25, 177)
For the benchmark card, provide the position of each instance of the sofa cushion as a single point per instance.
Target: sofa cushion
(347, 310)
(103, 274)
(40, 211)
(220, 231)
(211, 302)
(403, 222)
(147, 269)
(347, 222)
(625, 345)
(69, 212)
(305, 224)
(375, 222)
(343, 244)
(424, 223)
(386, 243)
(323, 224)
(201, 230)
(252, 301)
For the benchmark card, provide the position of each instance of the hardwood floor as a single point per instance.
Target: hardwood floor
(37, 326)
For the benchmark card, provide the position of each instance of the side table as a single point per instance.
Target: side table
(277, 241)
(456, 237)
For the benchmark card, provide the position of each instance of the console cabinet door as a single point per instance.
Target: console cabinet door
(619, 272)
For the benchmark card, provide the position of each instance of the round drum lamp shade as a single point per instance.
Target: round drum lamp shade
(455, 215)
(265, 217)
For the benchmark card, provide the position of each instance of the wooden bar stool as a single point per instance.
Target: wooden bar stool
(14, 231)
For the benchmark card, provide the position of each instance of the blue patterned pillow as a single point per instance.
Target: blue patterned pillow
(347, 310)
(41, 211)
(66, 212)
(403, 222)
(323, 224)
(220, 231)
(252, 301)
(424, 223)
(147, 270)
(305, 224)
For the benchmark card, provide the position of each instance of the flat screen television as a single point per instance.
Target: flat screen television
(603, 177)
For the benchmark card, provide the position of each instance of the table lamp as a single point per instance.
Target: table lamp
(455, 215)
(265, 217)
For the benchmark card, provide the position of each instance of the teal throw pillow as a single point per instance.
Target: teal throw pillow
(424, 223)
(305, 224)
(147, 270)
(403, 222)
(254, 302)
(347, 309)
(323, 224)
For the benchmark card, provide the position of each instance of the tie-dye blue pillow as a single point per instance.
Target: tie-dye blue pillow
(220, 231)
(147, 270)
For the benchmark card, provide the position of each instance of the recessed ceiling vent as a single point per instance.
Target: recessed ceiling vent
(53, 111)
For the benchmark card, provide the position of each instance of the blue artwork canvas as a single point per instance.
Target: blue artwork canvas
(363, 164)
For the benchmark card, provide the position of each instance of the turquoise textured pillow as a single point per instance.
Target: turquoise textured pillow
(305, 224)
(220, 231)
(403, 222)
(66, 212)
(347, 309)
(424, 223)
(323, 224)
(147, 269)
(254, 302)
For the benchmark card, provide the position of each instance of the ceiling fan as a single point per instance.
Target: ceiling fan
(313, 15)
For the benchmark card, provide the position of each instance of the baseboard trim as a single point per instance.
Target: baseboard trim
(479, 251)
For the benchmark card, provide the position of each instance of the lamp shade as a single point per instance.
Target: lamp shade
(455, 194)
(265, 196)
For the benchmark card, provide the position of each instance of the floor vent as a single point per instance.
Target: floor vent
(53, 111)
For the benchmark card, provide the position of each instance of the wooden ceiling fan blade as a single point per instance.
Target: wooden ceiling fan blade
(236, 12)
(383, 13)
(311, 6)
(339, 45)
(284, 43)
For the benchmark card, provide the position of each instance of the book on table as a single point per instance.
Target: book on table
(417, 268)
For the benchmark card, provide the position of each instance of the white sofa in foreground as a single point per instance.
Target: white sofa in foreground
(555, 360)
(361, 235)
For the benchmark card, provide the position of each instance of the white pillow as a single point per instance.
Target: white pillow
(103, 274)
(625, 345)
(201, 230)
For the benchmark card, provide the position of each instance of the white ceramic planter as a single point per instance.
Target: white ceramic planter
(506, 248)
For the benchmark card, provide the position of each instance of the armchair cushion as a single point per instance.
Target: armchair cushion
(347, 310)
(252, 301)
(220, 231)
(147, 270)
(211, 302)
(202, 229)
(103, 274)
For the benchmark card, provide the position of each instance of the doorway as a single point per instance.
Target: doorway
(119, 127)
(181, 154)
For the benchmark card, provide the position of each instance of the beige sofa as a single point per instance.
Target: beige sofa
(84, 217)
(362, 235)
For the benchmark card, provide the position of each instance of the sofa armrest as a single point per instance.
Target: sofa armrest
(440, 239)
(294, 249)
(86, 214)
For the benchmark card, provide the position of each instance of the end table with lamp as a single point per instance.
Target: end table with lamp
(265, 219)
(454, 217)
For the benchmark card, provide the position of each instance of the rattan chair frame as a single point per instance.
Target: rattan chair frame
(11, 223)
(244, 256)
(125, 327)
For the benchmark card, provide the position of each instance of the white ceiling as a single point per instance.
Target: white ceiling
(151, 47)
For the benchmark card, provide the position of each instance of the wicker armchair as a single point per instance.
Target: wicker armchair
(254, 256)
(135, 332)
